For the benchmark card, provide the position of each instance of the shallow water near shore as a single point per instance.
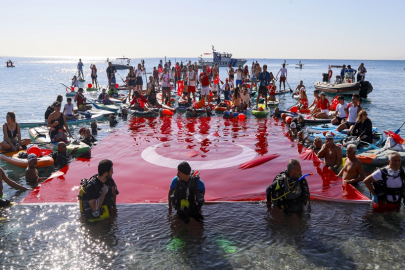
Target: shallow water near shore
(234, 235)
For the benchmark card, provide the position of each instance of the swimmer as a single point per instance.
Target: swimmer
(61, 157)
(94, 128)
(300, 138)
(31, 173)
(88, 138)
(293, 130)
(331, 153)
(112, 119)
(316, 146)
(352, 172)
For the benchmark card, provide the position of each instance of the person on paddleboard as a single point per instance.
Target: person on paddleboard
(265, 79)
(12, 135)
(289, 192)
(297, 90)
(80, 69)
(352, 172)
(75, 82)
(68, 110)
(283, 75)
(93, 70)
(186, 193)
(387, 184)
(111, 70)
(51, 108)
(323, 105)
(331, 153)
(354, 109)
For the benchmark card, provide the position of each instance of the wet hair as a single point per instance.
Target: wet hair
(69, 99)
(104, 166)
(237, 94)
(291, 164)
(317, 138)
(392, 155)
(350, 146)
(12, 116)
(59, 98)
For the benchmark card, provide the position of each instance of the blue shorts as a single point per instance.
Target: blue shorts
(113, 82)
(238, 82)
(227, 95)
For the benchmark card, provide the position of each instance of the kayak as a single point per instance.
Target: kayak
(273, 103)
(149, 113)
(337, 136)
(95, 111)
(41, 135)
(12, 158)
(9, 66)
(79, 120)
(378, 157)
(329, 127)
(112, 107)
(112, 99)
(260, 114)
(365, 146)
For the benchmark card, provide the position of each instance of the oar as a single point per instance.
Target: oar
(65, 86)
(288, 84)
(399, 129)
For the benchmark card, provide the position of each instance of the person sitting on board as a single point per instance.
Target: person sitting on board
(283, 75)
(101, 191)
(387, 184)
(186, 193)
(93, 75)
(111, 70)
(236, 100)
(272, 91)
(316, 100)
(354, 109)
(11, 183)
(51, 108)
(302, 103)
(331, 153)
(107, 100)
(12, 135)
(340, 112)
(245, 97)
(265, 79)
(75, 82)
(80, 69)
(323, 105)
(102, 95)
(298, 89)
(363, 128)
(226, 88)
(31, 173)
(289, 192)
(68, 110)
(316, 146)
(362, 72)
(58, 125)
(138, 102)
(88, 138)
(152, 100)
(123, 114)
(80, 100)
(61, 157)
(352, 172)
(276, 113)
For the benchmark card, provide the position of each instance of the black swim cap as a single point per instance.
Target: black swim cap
(184, 167)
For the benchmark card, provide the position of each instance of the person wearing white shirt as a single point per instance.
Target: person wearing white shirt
(283, 75)
(165, 79)
(68, 110)
(340, 112)
(191, 77)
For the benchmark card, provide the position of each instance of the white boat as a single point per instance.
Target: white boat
(221, 59)
(343, 86)
(121, 63)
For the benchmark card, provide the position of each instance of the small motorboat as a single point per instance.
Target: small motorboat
(121, 63)
(343, 86)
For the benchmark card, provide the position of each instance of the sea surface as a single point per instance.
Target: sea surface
(239, 235)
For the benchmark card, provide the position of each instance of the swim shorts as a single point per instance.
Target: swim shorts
(238, 82)
(263, 90)
(282, 79)
(113, 82)
(205, 90)
(191, 89)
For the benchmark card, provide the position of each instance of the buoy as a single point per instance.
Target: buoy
(167, 112)
(117, 85)
(283, 116)
(76, 89)
(34, 149)
(241, 116)
(294, 109)
(72, 88)
(89, 85)
(288, 119)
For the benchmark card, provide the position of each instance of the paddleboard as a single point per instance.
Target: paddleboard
(41, 135)
(278, 92)
(273, 103)
(260, 114)
(112, 107)
(79, 120)
(378, 157)
(13, 159)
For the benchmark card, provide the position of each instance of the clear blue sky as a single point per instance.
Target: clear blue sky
(249, 29)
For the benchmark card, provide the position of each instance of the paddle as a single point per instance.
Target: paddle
(399, 129)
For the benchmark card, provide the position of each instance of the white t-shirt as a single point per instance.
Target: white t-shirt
(138, 73)
(69, 109)
(283, 72)
(341, 110)
(239, 73)
(353, 114)
(245, 98)
(166, 79)
(230, 86)
(191, 75)
(393, 180)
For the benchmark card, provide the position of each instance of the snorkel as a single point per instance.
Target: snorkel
(305, 175)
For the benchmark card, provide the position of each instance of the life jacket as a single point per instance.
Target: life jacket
(381, 189)
(186, 199)
(61, 160)
(85, 208)
(299, 125)
(289, 194)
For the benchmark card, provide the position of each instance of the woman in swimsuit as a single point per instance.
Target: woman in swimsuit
(12, 134)
(131, 81)
(231, 73)
(236, 99)
(57, 123)
(139, 81)
(51, 108)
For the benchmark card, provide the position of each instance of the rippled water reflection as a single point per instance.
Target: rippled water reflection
(234, 235)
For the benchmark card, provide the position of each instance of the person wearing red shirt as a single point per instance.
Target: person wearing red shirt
(138, 102)
(323, 105)
(177, 75)
(205, 83)
(80, 100)
(272, 91)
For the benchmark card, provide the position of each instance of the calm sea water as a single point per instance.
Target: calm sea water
(238, 235)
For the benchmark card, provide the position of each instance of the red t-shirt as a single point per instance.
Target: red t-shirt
(304, 103)
(204, 79)
(272, 90)
(178, 71)
(323, 105)
(140, 101)
(80, 100)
